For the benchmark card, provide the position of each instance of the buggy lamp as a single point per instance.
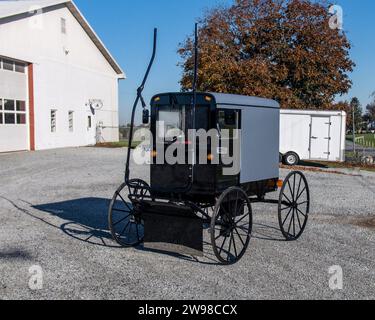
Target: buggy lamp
(210, 157)
(154, 154)
(280, 183)
(207, 98)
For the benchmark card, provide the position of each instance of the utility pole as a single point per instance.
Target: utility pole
(354, 146)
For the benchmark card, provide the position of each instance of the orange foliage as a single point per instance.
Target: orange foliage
(278, 49)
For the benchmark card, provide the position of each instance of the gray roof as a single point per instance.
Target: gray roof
(239, 100)
(14, 8)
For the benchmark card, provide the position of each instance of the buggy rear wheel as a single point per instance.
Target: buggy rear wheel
(231, 226)
(125, 223)
(294, 206)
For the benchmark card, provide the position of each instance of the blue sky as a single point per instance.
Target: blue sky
(126, 29)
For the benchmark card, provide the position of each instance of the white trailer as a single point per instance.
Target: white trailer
(312, 135)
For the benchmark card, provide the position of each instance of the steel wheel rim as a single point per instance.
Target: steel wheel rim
(231, 230)
(126, 225)
(294, 206)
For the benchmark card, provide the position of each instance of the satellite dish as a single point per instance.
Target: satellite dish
(96, 104)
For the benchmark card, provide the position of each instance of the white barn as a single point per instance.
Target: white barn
(58, 82)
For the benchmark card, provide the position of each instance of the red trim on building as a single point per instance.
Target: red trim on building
(31, 106)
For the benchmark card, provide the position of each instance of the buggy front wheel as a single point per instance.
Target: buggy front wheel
(294, 206)
(231, 226)
(125, 223)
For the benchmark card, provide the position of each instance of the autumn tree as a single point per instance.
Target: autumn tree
(344, 106)
(278, 49)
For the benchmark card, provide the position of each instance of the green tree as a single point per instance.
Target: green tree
(370, 115)
(356, 110)
(278, 49)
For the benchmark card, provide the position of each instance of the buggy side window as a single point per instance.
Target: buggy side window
(229, 120)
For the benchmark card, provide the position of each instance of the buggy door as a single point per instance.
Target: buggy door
(170, 172)
(230, 121)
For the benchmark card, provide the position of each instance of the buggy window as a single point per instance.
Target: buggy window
(229, 120)
(174, 119)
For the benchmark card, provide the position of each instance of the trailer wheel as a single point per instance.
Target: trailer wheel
(294, 206)
(291, 159)
(231, 226)
(125, 224)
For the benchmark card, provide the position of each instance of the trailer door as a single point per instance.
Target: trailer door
(320, 138)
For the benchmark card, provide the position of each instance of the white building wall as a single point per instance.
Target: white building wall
(69, 70)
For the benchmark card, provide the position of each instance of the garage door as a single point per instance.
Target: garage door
(14, 129)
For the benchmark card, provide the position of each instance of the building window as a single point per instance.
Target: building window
(9, 105)
(8, 65)
(11, 65)
(89, 124)
(19, 67)
(9, 118)
(21, 106)
(63, 26)
(12, 111)
(53, 121)
(71, 121)
(1, 109)
(21, 118)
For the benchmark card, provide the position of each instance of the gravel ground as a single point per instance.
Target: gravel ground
(53, 214)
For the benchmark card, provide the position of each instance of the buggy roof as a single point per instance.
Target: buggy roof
(244, 101)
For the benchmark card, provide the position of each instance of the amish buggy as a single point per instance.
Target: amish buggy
(182, 200)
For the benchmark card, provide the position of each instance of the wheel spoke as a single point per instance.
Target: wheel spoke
(236, 205)
(286, 208)
(222, 246)
(234, 244)
(287, 216)
(115, 224)
(221, 234)
(299, 221)
(222, 207)
(242, 218)
(299, 185)
(120, 210)
(291, 192)
(123, 200)
(290, 223)
(305, 215)
(125, 228)
(230, 247)
(300, 204)
(287, 198)
(299, 196)
(243, 243)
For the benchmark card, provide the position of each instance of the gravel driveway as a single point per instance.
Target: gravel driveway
(53, 214)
